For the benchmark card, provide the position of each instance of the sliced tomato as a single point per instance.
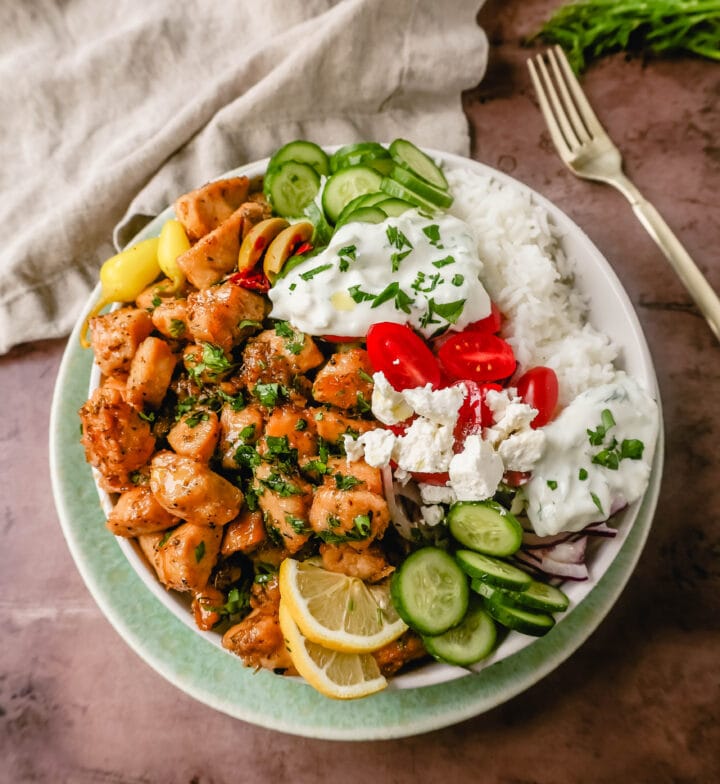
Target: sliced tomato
(403, 356)
(491, 323)
(474, 413)
(476, 356)
(340, 338)
(439, 479)
(539, 388)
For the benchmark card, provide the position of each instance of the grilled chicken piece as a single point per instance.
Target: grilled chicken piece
(216, 254)
(272, 358)
(186, 560)
(116, 440)
(297, 425)
(244, 534)
(370, 478)
(196, 435)
(285, 501)
(398, 653)
(237, 428)
(258, 639)
(204, 209)
(190, 490)
(170, 318)
(354, 515)
(116, 336)
(216, 315)
(346, 380)
(332, 424)
(151, 370)
(138, 512)
(368, 564)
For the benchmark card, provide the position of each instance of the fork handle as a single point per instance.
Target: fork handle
(680, 260)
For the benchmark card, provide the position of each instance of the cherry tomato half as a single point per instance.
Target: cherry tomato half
(439, 479)
(403, 356)
(474, 413)
(491, 323)
(539, 388)
(476, 356)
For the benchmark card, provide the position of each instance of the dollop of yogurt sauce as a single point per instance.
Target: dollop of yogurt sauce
(597, 457)
(417, 270)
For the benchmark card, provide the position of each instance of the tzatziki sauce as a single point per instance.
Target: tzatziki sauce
(597, 457)
(412, 269)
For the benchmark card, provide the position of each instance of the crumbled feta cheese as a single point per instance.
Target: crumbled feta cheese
(425, 447)
(353, 448)
(388, 405)
(437, 405)
(510, 415)
(520, 451)
(476, 472)
(378, 445)
(432, 515)
(437, 494)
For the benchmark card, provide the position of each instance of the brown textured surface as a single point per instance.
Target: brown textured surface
(637, 703)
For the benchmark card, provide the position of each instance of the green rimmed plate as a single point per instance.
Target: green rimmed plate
(431, 698)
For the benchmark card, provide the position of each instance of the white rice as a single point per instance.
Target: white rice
(530, 280)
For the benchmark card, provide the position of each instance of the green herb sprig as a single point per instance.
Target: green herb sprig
(590, 29)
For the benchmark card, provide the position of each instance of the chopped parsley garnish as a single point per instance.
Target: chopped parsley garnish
(238, 602)
(147, 417)
(432, 232)
(582, 474)
(280, 450)
(397, 239)
(249, 323)
(292, 287)
(301, 424)
(346, 482)
(296, 523)
(609, 458)
(365, 376)
(156, 301)
(284, 329)
(426, 283)
(185, 406)
(396, 258)
(269, 394)
(251, 499)
(200, 552)
(597, 503)
(362, 525)
(247, 456)
(280, 486)
(450, 311)
(552, 484)
(597, 436)
(361, 402)
(458, 280)
(613, 453)
(358, 295)
(195, 419)
(319, 416)
(315, 271)
(264, 572)
(247, 433)
(138, 478)
(632, 449)
(176, 328)
(213, 361)
(346, 255)
(393, 292)
(166, 536)
(443, 262)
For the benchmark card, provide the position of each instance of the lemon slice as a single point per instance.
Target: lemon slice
(342, 676)
(337, 611)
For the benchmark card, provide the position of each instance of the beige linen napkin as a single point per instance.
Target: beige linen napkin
(106, 105)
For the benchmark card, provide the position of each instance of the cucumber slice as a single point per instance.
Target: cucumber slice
(470, 641)
(537, 596)
(484, 589)
(408, 155)
(345, 185)
(492, 570)
(397, 191)
(365, 200)
(301, 152)
(393, 207)
(430, 591)
(524, 621)
(361, 154)
(292, 187)
(436, 196)
(363, 215)
(485, 526)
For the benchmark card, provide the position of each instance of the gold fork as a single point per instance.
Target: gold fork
(586, 149)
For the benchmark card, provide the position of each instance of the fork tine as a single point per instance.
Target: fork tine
(581, 131)
(559, 111)
(588, 115)
(553, 127)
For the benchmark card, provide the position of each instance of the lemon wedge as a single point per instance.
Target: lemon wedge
(336, 611)
(342, 676)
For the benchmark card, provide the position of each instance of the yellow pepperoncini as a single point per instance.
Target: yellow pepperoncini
(123, 277)
(173, 243)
